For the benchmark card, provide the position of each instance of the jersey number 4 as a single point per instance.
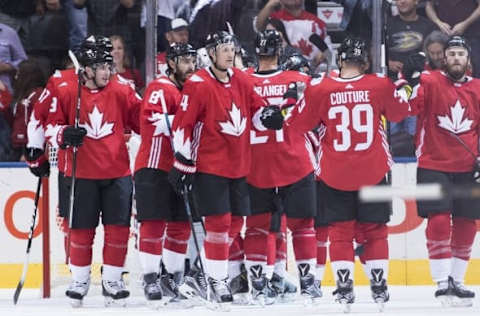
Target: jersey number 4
(352, 119)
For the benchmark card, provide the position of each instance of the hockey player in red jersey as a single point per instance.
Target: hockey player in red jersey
(158, 206)
(281, 184)
(354, 153)
(448, 127)
(103, 181)
(212, 142)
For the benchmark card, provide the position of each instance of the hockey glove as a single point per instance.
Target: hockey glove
(37, 162)
(71, 136)
(272, 117)
(181, 175)
(290, 97)
(413, 67)
(476, 170)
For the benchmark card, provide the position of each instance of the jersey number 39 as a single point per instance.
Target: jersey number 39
(352, 119)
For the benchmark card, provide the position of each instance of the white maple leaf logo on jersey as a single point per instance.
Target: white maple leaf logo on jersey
(157, 120)
(97, 129)
(237, 125)
(181, 144)
(455, 123)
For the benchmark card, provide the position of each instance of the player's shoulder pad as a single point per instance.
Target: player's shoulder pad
(195, 78)
(124, 81)
(163, 80)
(57, 74)
(318, 80)
(380, 75)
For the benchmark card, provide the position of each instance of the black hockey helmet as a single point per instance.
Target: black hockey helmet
(94, 50)
(353, 49)
(218, 38)
(457, 41)
(180, 49)
(295, 62)
(268, 43)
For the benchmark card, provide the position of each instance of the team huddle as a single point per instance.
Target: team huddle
(257, 151)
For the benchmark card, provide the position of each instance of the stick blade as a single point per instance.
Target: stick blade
(16, 295)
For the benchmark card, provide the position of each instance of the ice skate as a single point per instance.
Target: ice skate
(239, 287)
(460, 295)
(309, 287)
(344, 291)
(443, 293)
(194, 286)
(262, 291)
(76, 291)
(114, 292)
(285, 289)
(379, 288)
(171, 283)
(152, 290)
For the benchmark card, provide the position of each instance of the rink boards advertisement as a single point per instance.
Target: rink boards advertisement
(408, 253)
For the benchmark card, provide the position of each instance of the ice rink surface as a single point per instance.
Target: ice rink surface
(405, 301)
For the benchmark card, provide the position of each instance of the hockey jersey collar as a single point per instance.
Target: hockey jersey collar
(456, 83)
(268, 73)
(356, 78)
(229, 71)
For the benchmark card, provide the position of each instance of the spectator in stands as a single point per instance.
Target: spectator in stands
(16, 14)
(11, 54)
(459, 17)
(5, 123)
(177, 33)
(405, 35)
(434, 48)
(77, 24)
(288, 50)
(28, 85)
(122, 63)
(108, 17)
(300, 25)
(209, 16)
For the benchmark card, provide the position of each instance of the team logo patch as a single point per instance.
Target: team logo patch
(97, 128)
(237, 125)
(455, 123)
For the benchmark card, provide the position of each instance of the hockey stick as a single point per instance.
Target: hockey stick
(19, 288)
(78, 71)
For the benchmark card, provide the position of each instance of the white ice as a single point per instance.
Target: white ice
(405, 300)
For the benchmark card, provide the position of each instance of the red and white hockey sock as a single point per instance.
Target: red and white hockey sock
(321, 233)
(463, 235)
(271, 253)
(438, 234)
(115, 249)
(280, 266)
(150, 245)
(216, 245)
(342, 256)
(236, 256)
(303, 240)
(81, 242)
(375, 246)
(175, 246)
(257, 246)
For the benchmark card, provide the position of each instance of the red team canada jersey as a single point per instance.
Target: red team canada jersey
(280, 157)
(104, 113)
(446, 108)
(299, 29)
(353, 146)
(156, 150)
(212, 126)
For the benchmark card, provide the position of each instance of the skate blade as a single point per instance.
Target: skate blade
(76, 303)
(461, 302)
(110, 302)
(444, 300)
(381, 306)
(346, 308)
(157, 304)
(310, 301)
(287, 297)
(241, 299)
